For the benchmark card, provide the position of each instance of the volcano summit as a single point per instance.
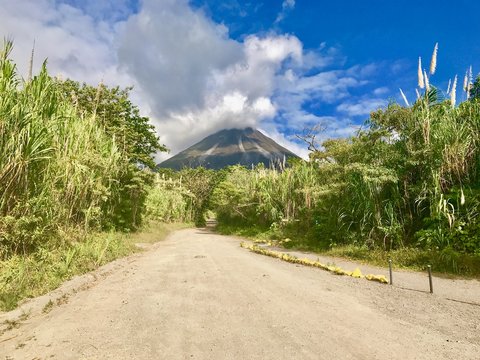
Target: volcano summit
(245, 147)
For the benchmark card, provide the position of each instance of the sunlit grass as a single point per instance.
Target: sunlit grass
(40, 272)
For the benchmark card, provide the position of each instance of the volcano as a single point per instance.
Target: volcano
(247, 147)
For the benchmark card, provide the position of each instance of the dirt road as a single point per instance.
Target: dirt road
(198, 295)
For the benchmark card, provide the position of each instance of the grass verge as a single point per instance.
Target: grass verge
(307, 262)
(446, 262)
(30, 276)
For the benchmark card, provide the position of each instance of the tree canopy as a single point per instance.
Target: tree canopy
(120, 118)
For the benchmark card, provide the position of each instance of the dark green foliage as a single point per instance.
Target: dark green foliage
(186, 193)
(410, 178)
(134, 136)
(475, 89)
(113, 109)
(200, 182)
(72, 163)
(125, 210)
(169, 200)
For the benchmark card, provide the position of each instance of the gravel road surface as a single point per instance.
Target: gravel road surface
(198, 295)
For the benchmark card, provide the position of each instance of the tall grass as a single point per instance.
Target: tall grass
(410, 178)
(64, 178)
(26, 276)
(57, 169)
(265, 195)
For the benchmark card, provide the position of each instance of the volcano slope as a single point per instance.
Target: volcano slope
(247, 147)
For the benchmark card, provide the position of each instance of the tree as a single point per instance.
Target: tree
(133, 135)
(201, 183)
(120, 118)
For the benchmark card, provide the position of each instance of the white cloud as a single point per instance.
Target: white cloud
(381, 91)
(362, 107)
(190, 77)
(112, 10)
(172, 51)
(197, 79)
(75, 44)
(287, 6)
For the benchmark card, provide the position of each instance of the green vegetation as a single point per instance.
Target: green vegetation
(187, 193)
(78, 187)
(60, 169)
(169, 200)
(75, 172)
(37, 273)
(474, 90)
(44, 270)
(406, 186)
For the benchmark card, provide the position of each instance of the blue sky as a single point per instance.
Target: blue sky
(387, 34)
(365, 32)
(202, 65)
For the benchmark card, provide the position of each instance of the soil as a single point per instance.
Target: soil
(199, 295)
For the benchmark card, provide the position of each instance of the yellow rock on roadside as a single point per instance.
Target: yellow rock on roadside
(379, 278)
(357, 273)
